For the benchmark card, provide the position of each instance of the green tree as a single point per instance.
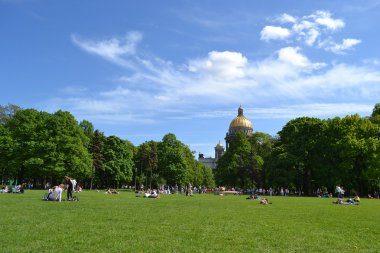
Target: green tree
(87, 128)
(354, 149)
(7, 112)
(71, 146)
(235, 166)
(173, 160)
(118, 161)
(96, 151)
(146, 160)
(300, 140)
(7, 146)
(208, 176)
(375, 116)
(261, 149)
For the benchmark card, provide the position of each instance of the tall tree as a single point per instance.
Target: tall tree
(355, 148)
(147, 162)
(173, 160)
(300, 139)
(87, 128)
(118, 161)
(235, 166)
(7, 146)
(261, 149)
(96, 151)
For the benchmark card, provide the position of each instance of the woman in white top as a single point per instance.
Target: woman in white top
(56, 193)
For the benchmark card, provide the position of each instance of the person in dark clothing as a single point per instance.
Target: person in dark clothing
(69, 187)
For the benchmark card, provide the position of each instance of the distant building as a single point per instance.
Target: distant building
(212, 162)
(239, 124)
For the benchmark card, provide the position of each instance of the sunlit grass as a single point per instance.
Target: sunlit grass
(175, 223)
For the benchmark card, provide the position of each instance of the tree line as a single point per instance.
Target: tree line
(39, 147)
(307, 154)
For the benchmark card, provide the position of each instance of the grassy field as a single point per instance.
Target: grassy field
(175, 223)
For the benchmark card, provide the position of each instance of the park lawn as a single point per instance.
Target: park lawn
(175, 223)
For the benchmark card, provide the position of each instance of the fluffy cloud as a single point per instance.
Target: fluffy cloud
(286, 18)
(323, 18)
(313, 30)
(343, 47)
(274, 33)
(159, 89)
(291, 55)
(224, 65)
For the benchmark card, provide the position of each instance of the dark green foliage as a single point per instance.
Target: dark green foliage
(313, 153)
(146, 160)
(173, 161)
(118, 162)
(244, 164)
(46, 147)
(96, 150)
(307, 154)
(170, 162)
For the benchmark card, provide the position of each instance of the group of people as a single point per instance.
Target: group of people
(151, 194)
(349, 201)
(55, 193)
(262, 201)
(16, 189)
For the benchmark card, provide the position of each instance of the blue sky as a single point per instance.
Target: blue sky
(141, 69)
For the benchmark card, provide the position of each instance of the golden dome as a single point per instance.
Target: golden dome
(240, 121)
(219, 145)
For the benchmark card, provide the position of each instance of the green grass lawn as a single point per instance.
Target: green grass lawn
(175, 223)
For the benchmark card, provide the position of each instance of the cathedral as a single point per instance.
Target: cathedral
(239, 124)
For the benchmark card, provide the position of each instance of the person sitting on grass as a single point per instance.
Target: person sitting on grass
(357, 198)
(154, 194)
(20, 189)
(264, 201)
(146, 194)
(55, 194)
(4, 189)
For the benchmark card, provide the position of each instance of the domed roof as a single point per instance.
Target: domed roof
(219, 146)
(240, 121)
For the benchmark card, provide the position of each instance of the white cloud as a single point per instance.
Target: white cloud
(224, 65)
(324, 18)
(321, 110)
(113, 49)
(291, 55)
(160, 90)
(311, 36)
(315, 29)
(286, 18)
(274, 33)
(347, 44)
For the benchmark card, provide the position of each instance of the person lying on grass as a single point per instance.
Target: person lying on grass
(264, 201)
(253, 197)
(111, 191)
(349, 201)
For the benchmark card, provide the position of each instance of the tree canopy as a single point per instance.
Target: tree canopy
(308, 153)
